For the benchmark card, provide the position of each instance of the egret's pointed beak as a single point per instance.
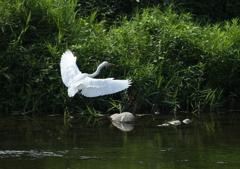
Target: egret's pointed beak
(111, 64)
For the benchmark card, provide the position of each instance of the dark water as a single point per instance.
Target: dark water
(83, 142)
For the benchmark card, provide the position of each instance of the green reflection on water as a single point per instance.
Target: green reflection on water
(45, 142)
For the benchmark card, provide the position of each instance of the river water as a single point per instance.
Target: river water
(51, 142)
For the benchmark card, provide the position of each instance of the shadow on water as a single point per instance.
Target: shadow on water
(86, 142)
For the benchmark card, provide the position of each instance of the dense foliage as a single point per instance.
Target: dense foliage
(174, 62)
(203, 10)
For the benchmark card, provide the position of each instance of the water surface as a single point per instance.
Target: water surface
(83, 142)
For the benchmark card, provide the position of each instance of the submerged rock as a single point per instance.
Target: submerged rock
(163, 125)
(125, 117)
(186, 121)
(175, 122)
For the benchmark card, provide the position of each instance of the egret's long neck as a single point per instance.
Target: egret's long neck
(97, 71)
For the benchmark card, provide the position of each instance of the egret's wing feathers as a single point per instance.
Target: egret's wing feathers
(69, 68)
(99, 87)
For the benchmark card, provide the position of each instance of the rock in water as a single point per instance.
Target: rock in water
(175, 122)
(125, 117)
(164, 124)
(186, 121)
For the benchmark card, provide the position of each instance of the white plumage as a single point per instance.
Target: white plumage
(77, 81)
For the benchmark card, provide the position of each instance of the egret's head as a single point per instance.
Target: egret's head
(105, 63)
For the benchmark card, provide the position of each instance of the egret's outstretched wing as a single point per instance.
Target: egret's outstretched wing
(69, 68)
(99, 87)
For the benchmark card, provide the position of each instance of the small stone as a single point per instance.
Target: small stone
(163, 125)
(175, 122)
(186, 121)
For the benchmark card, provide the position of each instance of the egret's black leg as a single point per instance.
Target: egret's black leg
(67, 112)
(69, 104)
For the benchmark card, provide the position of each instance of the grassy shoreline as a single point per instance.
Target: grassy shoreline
(175, 63)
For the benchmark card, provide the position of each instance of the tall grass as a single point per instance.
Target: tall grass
(174, 63)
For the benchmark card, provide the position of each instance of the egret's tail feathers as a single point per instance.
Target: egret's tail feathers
(129, 82)
(72, 91)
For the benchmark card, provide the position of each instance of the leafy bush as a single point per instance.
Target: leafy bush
(174, 63)
(204, 10)
(213, 11)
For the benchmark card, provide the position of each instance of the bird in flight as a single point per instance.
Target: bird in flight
(77, 81)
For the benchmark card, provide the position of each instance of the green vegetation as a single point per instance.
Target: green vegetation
(174, 63)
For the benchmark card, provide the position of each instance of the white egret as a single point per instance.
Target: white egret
(77, 81)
